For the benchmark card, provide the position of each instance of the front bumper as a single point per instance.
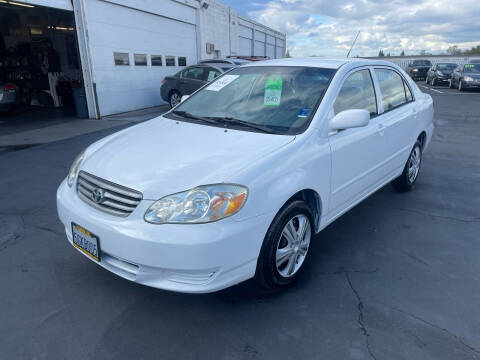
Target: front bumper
(195, 258)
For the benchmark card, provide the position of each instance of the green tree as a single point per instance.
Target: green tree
(402, 53)
(473, 51)
(287, 54)
(380, 53)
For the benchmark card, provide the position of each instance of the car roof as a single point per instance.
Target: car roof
(319, 62)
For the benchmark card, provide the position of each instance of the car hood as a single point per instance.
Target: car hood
(472, 75)
(163, 156)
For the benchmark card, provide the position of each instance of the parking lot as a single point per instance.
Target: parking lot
(397, 277)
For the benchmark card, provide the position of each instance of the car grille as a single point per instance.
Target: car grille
(114, 199)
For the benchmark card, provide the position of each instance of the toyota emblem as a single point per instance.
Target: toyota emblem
(97, 195)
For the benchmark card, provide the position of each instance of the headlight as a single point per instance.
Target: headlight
(200, 205)
(74, 168)
(439, 73)
(415, 70)
(467, 78)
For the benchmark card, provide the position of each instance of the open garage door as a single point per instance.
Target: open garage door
(40, 70)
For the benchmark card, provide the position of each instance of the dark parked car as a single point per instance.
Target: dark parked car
(189, 80)
(440, 73)
(466, 77)
(418, 69)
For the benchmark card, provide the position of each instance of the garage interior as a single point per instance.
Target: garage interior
(40, 63)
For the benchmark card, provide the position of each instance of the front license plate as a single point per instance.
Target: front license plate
(86, 242)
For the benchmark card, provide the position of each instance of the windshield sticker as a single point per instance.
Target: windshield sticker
(469, 66)
(221, 83)
(273, 91)
(303, 113)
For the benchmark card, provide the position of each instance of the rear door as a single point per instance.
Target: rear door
(398, 114)
(356, 152)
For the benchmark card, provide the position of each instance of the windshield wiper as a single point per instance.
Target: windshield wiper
(233, 121)
(187, 115)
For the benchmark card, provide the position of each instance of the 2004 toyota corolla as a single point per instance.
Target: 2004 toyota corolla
(235, 181)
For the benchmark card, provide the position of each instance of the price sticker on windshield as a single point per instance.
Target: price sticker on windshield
(221, 83)
(273, 91)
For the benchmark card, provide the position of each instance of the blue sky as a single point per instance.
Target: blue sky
(328, 27)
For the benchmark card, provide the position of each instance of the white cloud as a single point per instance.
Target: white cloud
(327, 28)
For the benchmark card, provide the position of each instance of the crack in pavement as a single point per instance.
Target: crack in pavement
(342, 272)
(474, 220)
(406, 313)
(360, 320)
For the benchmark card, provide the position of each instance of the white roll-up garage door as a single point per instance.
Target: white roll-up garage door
(126, 30)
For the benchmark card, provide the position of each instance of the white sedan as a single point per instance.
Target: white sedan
(235, 181)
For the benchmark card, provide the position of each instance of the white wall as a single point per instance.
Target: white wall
(233, 34)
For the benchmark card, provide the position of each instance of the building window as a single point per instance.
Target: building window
(140, 59)
(170, 60)
(182, 61)
(156, 60)
(121, 58)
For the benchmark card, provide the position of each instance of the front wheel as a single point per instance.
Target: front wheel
(460, 86)
(410, 172)
(285, 247)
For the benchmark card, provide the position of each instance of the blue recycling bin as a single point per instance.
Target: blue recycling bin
(80, 101)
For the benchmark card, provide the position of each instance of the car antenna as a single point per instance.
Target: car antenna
(354, 41)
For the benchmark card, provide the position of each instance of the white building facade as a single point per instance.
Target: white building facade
(128, 46)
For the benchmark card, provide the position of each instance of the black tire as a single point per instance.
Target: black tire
(460, 86)
(267, 275)
(450, 83)
(174, 98)
(405, 182)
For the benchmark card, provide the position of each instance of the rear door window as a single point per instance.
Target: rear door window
(392, 88)
(195, 73)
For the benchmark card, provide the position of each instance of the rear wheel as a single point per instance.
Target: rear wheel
(174, 98)
(410, 172)
(285, 247)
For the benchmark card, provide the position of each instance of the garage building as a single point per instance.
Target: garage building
(113, 54)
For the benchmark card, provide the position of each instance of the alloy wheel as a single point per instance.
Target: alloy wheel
(414, 164)
(293, 245)
(175, 99)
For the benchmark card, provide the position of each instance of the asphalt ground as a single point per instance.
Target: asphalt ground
(397, 277)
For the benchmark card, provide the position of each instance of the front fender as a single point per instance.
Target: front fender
(303, 164)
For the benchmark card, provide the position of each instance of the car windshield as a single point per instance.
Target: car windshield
(422, 63)
(278, 100)
(472, 68)
(446, 66)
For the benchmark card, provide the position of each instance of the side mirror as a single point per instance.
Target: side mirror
(350, 119)
(184, 97)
